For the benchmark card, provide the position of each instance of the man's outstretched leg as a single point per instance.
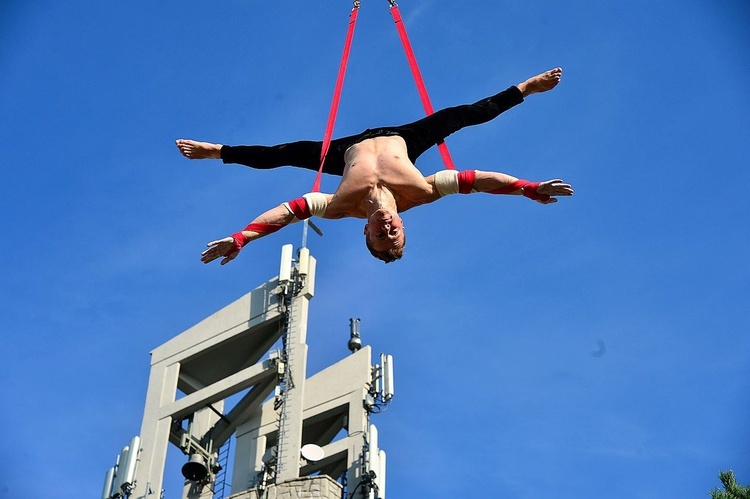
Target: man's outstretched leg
(302, 154)
(432, 130)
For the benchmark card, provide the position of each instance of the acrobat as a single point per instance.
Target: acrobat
(379, 179)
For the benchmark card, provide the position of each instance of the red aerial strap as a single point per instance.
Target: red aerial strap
(336, 95)
(418, 78)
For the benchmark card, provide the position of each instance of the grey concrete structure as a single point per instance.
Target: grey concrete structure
(325, 417)
(334, 404)
(314, 487)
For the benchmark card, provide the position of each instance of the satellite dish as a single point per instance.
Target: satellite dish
(312, 453)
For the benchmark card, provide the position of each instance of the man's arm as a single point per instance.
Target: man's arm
(501, 183)
(469, 181)
(272, 220)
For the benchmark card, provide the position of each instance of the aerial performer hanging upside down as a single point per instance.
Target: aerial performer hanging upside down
(378, 176)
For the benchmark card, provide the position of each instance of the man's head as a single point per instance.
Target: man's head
(385, 236)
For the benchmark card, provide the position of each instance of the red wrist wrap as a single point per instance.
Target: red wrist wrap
(529, 189)
(300, 209)
(240, 240)
(466, 179)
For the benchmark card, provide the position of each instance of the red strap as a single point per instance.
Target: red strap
(515, 186)
(418, 79)
(241, 240)
(529, 190)
(336, 95)
(300, 209)
(264, 229)
(466, 179)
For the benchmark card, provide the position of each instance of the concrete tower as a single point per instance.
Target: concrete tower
(295, 436)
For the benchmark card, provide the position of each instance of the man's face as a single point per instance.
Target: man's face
(385, 230)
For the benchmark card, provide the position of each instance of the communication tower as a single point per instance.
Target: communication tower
(311, 437)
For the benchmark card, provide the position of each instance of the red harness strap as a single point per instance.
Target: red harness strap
(337, 94)
(424, 96)
(299, 206)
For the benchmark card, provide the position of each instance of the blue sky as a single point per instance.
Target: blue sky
(494, 313)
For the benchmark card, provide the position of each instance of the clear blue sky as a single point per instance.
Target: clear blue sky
(499, 303)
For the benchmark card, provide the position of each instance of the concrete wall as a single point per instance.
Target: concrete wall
(316, 487)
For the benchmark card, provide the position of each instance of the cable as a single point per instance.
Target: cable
(336, 95)
(355, 488)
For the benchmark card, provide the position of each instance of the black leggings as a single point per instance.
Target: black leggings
(419, 136)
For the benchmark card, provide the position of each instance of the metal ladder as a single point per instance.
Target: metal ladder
(220, 482)
(287, 382)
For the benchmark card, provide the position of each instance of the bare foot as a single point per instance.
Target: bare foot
(192, 149)
(541, 82)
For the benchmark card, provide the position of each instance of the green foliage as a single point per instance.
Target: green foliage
(732, 490)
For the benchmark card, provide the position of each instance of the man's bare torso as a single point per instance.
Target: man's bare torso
(375, 164)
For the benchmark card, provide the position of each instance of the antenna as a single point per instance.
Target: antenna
(373, 464)
(303, 266)
(109, 481)
(121, 459)
(380, 479)
(285, 269)
(126, 470)
(386, 362)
